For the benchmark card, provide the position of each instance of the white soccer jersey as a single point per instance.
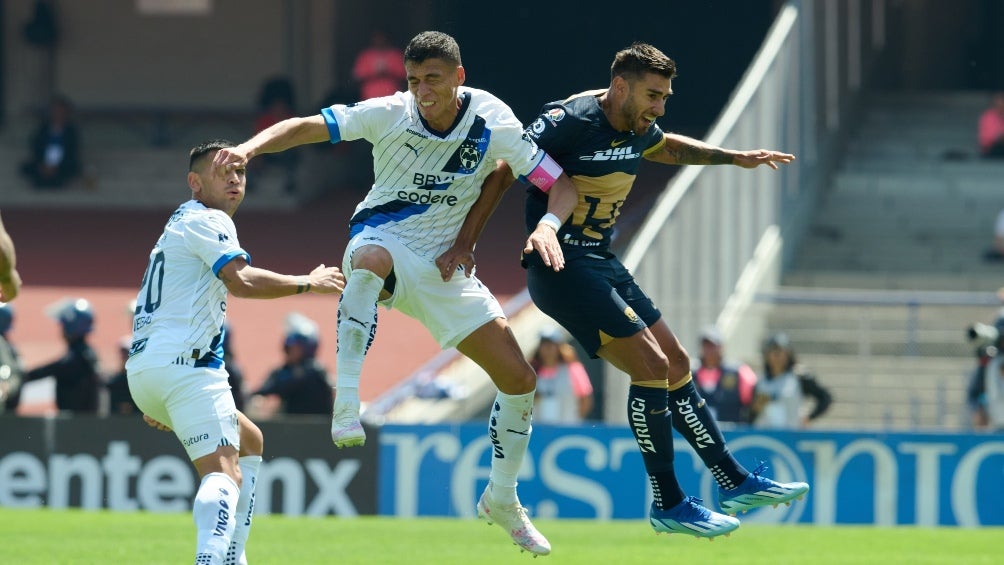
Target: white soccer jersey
(426, 181)
(182, 303)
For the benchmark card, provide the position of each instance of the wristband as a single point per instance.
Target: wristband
(551, 221)
(302, 287)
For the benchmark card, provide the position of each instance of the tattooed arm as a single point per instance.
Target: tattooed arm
(682, 150)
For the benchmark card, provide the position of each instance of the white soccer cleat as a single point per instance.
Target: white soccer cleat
(515, 521)
(346, 430)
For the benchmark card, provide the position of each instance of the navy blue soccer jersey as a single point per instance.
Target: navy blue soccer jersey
(601, 161)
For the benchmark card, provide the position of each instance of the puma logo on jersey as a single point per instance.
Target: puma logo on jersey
(413, 148)
(222, 237)
(360, 322)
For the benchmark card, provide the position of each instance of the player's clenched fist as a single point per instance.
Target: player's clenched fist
(327, 280)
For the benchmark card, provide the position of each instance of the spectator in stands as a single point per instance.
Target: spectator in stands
(564, 393)
(379, 68)
(11, 370)
(10, 280)
(276, 102)
(991, 128)
(54, 148)
(120, 402)
(996, 253)
(300, 382)
(727, 387)
(985, 393)
(77, 375)
(779, 394)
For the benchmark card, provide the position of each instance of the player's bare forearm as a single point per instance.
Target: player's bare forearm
(682, 150)
(245, 281)
(461, 253)
(561, 201)
(562, 198)
(284, 135)
(492, 191)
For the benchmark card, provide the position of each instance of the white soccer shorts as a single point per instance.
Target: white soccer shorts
(451, 311)
(194, 402)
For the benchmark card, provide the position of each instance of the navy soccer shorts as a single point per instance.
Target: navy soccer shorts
(594, 297)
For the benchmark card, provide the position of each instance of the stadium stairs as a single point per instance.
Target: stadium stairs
(131, 161)
(906, 220)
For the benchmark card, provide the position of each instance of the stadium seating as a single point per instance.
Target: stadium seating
(911, 208)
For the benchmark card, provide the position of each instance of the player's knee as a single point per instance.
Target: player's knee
(678, 364)
(522, 381)
(373, 258)
(658, 365)
(527, 381)
(252, 439)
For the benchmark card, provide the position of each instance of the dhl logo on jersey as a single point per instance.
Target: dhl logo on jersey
(612, 154)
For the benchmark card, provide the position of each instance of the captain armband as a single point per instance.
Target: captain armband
(544, 175)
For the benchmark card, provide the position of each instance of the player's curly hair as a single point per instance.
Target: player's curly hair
(432, 45)
(206, 147)
(641, 58)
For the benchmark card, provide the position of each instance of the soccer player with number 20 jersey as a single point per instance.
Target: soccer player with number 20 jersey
(175, 367)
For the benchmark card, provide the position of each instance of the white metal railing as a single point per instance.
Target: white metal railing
(716, 236)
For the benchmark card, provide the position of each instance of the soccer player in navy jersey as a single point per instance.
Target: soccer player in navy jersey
(599, 138)
(434, 146)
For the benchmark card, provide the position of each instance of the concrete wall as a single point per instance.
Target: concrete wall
(111, 55)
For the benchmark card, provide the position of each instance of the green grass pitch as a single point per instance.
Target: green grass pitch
(53, 537)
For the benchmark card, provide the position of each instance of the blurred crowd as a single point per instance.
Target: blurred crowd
(298, 384)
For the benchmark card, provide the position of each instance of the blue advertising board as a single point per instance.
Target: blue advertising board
(597, 472)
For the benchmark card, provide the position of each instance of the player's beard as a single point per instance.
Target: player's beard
(632, 116)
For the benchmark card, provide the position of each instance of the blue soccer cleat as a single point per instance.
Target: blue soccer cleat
(691, 518)
(757, 491)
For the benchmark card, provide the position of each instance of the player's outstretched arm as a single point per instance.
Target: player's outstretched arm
(682, 150)
(245, 281)
(278, 137)
(561, 200)
(461, 253)
(10, 280)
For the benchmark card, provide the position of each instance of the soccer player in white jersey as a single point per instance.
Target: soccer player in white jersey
(433, 149)
(175, 367)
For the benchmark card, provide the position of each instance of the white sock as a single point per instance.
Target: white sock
(509, 429)
(245, 510)
(213, 511)
(356, 328)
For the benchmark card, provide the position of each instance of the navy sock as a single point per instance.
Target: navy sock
(650, 420)
(694, 421)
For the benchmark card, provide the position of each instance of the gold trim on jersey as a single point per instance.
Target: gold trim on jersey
(600, 200)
